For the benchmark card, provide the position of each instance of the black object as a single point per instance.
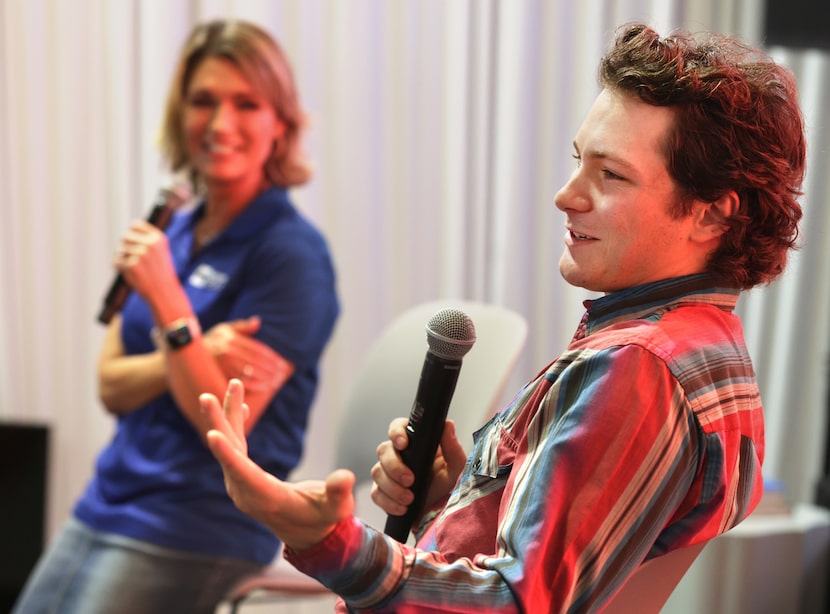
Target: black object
(450, 335)
(159, 216)
(797, 23)
(24, 455)
(179, 334)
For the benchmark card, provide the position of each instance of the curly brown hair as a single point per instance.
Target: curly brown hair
(738, 127)
(262, 61)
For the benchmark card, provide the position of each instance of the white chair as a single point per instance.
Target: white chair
(648, 589)
(385, 388)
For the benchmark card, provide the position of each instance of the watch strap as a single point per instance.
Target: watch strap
(177, 334)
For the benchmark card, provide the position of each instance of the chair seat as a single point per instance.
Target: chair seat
(279, 577)
(648, 589)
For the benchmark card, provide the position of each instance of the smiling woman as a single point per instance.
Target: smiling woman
(154, 526)
(262, 85)
(230, 129)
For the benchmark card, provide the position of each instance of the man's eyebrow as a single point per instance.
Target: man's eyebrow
(600, 154)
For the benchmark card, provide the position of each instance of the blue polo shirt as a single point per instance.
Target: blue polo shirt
(156, 481)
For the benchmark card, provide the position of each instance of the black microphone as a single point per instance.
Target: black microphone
(450, 335)
(167, 199)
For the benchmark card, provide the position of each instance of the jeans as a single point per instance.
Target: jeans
(89, 572)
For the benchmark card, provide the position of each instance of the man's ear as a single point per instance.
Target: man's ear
(711, 217)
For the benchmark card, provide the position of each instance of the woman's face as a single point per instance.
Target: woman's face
(229, 127)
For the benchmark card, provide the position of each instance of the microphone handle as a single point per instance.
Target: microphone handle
(426, 426)
(119, 290)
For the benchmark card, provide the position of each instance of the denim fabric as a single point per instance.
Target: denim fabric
(89, 572)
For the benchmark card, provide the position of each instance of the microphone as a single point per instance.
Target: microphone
(450, 335)
(167, 199)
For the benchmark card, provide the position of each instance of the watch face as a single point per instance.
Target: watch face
(179, 337)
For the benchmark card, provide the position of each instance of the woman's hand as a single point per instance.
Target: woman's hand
(241, 356)
(392, 479)
(143, 258)
(301, 514)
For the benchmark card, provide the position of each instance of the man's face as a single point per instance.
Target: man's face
(617, 201)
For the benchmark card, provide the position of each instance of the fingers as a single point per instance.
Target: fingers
(143, 257)
(397, 433)
(454, 453)
(264, 369)
(238, 354)
(236, 411)
(391, 465)
(391, 479)
(391, 498)
(212, 411)
(138, 238)
(222, 449)
(245, 482)
(241, 326)
(448, 464)
(246, 326)
(142, 230)
(229, 418)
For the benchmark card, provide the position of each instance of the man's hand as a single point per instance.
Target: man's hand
(392, 479)
(300, 514)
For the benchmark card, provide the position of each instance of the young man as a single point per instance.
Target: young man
(646, 434)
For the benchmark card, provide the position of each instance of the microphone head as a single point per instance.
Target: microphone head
(450, 334)
(175, 191)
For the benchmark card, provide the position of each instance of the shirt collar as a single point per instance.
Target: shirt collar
(644, 301)
(267, 206)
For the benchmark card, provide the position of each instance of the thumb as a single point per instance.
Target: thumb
(247, 326)
(339, 486)
(452, 450)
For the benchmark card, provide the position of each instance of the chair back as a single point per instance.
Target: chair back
(648, 589)
(387, 380)
(384, 388)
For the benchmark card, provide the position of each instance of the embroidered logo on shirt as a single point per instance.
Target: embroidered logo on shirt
(205, 276)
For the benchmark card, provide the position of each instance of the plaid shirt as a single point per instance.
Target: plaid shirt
(644, 436)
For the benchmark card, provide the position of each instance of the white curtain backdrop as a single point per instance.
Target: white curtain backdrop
(440, 131)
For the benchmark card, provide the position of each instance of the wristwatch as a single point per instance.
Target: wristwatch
(177, 334)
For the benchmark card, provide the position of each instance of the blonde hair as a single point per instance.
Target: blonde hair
(258, 56)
